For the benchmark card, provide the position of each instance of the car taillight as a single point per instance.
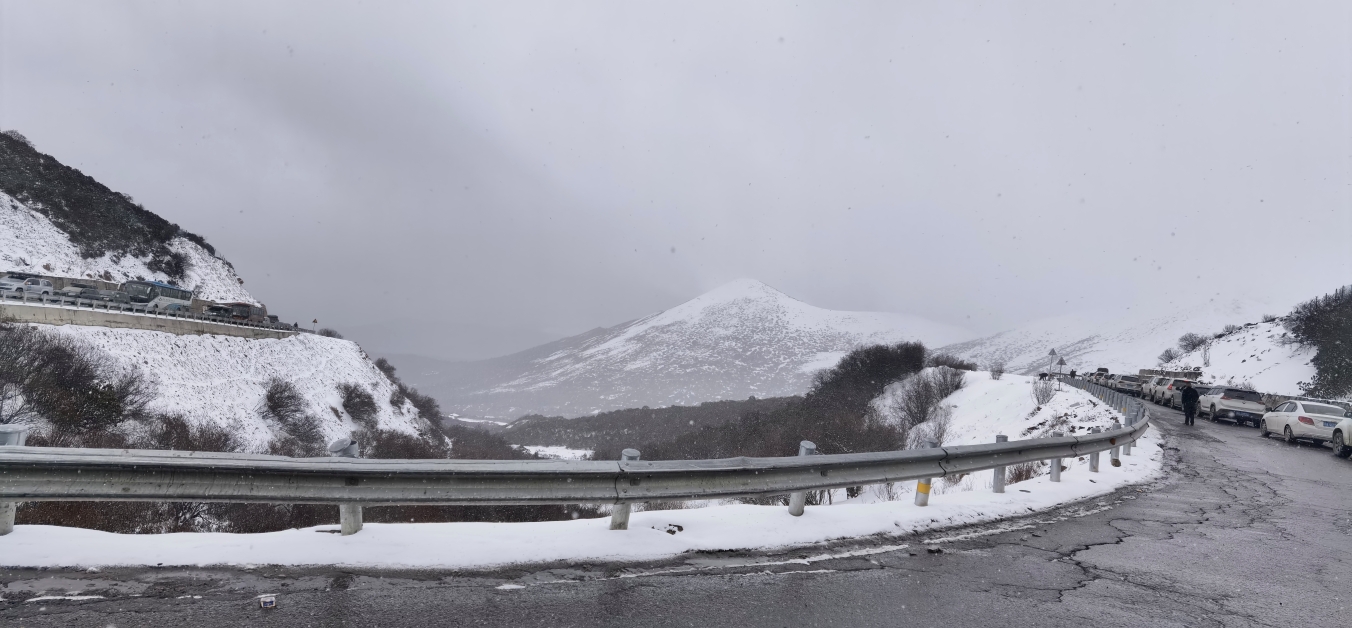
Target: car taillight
(1306, 420)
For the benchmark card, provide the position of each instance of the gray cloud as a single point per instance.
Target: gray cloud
(464, 180)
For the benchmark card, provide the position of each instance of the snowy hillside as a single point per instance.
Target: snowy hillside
(741, 339)
(29, 242)
(222, 379)
(1121, 342)
(1255, 355)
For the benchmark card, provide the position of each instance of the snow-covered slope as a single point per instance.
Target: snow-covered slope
(29, 242)
(1257, 355)
(1121, 342)
(222, 379)
(741, 339)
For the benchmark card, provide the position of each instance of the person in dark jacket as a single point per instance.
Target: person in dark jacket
(1189, 399)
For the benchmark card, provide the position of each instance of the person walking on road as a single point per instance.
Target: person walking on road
(1189, 398)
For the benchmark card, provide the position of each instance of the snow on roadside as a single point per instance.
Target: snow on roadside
(983, 407)
(558, 452)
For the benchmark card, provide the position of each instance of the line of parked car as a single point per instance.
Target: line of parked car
(150, 295)
(1295, 419)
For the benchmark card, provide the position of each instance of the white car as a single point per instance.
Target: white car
(26, 285)
(1342, 435)
(1227, 402)
(1302, 420)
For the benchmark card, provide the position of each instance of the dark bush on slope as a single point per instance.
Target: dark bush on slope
(618, 429)
(72, 385)
(97, 219)
(359, 404)
(836, 415)
(1325, 323)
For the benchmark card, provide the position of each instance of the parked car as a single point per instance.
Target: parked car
(217, 311)
(1303, 420)
(77, 290)
(1151, 386)
(1129, 384)
(23, 284)
(1342, 435)
(1227, 402)
(240, 311)
(1172, 391)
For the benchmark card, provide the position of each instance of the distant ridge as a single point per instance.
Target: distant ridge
(741, 339)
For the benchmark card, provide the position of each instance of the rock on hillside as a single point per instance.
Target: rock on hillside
(739, 340)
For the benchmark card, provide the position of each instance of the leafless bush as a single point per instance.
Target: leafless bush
(359, 404)
(1168, 355)
(329, 333)
(935, 429)
(1021, 472)
(918, 401)
(997, 368)
(1043, 391)
(1230, 329)
(71, 384)
(1189, 342)
(950, 361)
(1269, 318)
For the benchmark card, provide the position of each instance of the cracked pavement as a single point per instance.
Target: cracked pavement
(1238, 531)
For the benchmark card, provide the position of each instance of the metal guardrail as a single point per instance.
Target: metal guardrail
(61, 300)
(40, 473)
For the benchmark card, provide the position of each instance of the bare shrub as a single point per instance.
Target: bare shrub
(997, 368)
(1043, 391)
(921, 395)
(71, 384)
(359, 404)
(1190, 342)
(950, 361)
(935, 429)
(1230, 329)
(1269, 318)
(1021, 472)
(329, 333)
(1168, 355)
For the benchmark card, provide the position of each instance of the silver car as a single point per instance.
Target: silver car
(26, 285)
(1227, 402)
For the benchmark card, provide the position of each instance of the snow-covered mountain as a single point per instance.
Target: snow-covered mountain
(31, 243)
(1122, 342)
(741, 339)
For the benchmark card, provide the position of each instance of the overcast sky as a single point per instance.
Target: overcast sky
(464, 180)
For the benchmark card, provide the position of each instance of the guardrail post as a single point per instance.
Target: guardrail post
(1094, 457)
(1056, 462)
(922, 487)
(349, 515)
(798, 501)
(13, 436)
(1115, 456)
(619, 518)
(998, 482)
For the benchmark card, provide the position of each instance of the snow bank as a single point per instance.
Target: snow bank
(222, 379)
(1255, 355)
(982, 408)
(29, 242)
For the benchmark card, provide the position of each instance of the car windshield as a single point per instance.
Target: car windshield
(1318, 408)
(1239, 394)
(1128, 378)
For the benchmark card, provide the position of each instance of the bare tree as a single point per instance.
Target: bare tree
(1168, 355)
(997, 368)
(1206, 353)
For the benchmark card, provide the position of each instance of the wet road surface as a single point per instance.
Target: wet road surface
(1239, 531)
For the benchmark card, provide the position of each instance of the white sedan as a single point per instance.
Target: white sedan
(1302, 420)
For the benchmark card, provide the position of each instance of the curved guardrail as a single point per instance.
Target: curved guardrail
(40, 473)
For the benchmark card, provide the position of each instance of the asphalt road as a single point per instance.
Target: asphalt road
(1240, 531)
